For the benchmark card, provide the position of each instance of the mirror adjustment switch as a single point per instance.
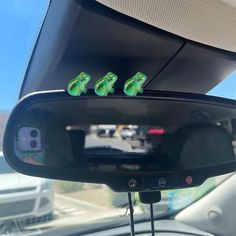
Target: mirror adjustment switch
(131, 184)
(161, 182)
(190, 180)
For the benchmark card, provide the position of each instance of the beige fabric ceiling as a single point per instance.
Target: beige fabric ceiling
(211, 22)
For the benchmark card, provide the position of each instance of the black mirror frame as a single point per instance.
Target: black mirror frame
(118, 182)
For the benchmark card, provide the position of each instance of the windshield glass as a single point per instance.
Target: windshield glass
(4, 167)
(20, 24)
(46, 204)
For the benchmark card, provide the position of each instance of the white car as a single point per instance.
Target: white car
(127, 133)
(23, 197)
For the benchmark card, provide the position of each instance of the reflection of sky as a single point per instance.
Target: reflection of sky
(20, 22)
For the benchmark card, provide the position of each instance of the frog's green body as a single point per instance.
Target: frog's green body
(134, 85)
(105, 85)
(79, 84)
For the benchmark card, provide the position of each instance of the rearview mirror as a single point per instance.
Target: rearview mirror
(159, 140)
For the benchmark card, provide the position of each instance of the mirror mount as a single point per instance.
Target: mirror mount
(150, 197)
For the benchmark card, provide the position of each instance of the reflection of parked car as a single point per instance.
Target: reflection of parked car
(106, 130)
(24, 197)
(127, 133)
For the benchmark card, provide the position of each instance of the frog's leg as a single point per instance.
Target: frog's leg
(131, 92)
(135, 92)
(111, 90)
(128, 84)
(72, 84)
(98, 83)
(141, 90)
(101, 91)
(85, 90)
(98, 87)
(104, 91)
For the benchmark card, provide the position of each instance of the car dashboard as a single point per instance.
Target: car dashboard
(162, 227)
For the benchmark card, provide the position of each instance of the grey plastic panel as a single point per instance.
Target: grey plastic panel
(163, 227)
(87, 36)
(95, 39)
(215, 212)
(195, 69)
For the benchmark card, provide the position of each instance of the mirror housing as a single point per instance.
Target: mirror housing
(183, 139)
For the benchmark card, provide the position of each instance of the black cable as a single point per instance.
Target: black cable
(152, 219)
(131, 210)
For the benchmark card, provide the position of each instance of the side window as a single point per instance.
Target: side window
(226, 88)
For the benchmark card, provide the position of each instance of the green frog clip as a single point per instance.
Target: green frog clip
(105, 85)
(79, 84)
(134, 85)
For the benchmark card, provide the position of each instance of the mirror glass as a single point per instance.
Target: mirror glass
(126, 135)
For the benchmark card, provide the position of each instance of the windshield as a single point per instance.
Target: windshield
(4, 167)
(49, 204)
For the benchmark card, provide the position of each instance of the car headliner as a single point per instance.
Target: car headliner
(88, 36)
(205, 22)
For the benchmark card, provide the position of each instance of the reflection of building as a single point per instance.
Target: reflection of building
(93, 129)
(85, 128)
(3, 121)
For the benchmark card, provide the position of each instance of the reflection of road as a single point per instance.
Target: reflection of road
(69, 212)
(92, 140)
(68, 207)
